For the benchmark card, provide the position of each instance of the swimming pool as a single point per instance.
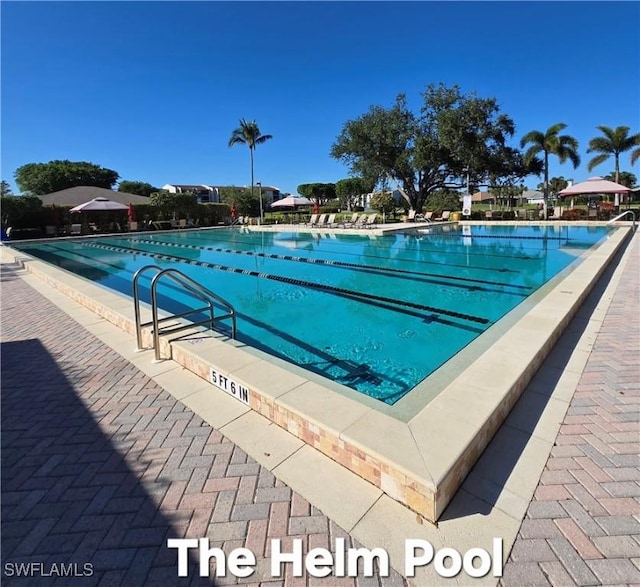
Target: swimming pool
(376, 313)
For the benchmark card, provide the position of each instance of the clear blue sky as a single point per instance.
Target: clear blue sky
(153, 90)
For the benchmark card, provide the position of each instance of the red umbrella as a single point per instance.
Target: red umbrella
(131, 213)
(234, 212)
(316, 208)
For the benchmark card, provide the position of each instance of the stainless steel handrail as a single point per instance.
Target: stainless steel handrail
(633, 214)
(136, 302)
(191, 286)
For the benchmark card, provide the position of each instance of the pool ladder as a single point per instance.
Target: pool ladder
(189, 285)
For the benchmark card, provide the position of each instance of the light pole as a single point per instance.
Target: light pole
(466, 200)
(259, 184)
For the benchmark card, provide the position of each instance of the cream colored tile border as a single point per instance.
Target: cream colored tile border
(421, 463)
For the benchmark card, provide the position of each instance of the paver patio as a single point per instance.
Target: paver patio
(101, 465)
(583, 524)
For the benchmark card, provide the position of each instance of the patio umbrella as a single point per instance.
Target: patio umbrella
(291, 202)
(234, 212)
(99, 204)
(316, 208)
(131, 213)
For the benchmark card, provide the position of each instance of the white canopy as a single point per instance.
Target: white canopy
(291, 202)
(594, 185)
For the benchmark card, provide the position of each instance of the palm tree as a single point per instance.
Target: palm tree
(249, 134)
(614, 142)
(550, 143)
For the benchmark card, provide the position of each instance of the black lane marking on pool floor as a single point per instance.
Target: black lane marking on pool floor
(291, 281)
(329, 262)
(421, 250)
(356, 375)
(390, 307)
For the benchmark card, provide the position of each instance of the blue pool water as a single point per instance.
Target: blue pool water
(375, 313)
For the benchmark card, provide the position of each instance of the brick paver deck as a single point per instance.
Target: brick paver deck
(100, 465)
(583, 524)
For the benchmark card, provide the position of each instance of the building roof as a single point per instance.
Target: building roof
(482, 196)
(81, 194)
(188, 187)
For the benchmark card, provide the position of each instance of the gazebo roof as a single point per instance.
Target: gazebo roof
(78, 195)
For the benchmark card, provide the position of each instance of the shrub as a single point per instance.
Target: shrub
(329, 209)
(571, 214)
(22, 211)
(383, 202)
(25, 233)
(213, 214)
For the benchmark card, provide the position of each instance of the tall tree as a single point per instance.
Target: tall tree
(351, 189)
(453, 135)
(43, 178)
(320, 192)
(245, 203)
(556, 184)
(141, 188)
(5, 188)
(625, 178)
(614, 142)
(249, 134)
(548, 143)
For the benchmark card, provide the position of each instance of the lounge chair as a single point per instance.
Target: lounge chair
(331, 221)
(322, 221)
(415, 216)
(133, 226)
(50, 231)
(370, 221)
(360, 221)
(445, 216)
(313, 220)
(76, 229)
(182, 223)
(429, 216)
(354, 219)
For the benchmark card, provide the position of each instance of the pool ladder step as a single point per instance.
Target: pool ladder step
(192, 287)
